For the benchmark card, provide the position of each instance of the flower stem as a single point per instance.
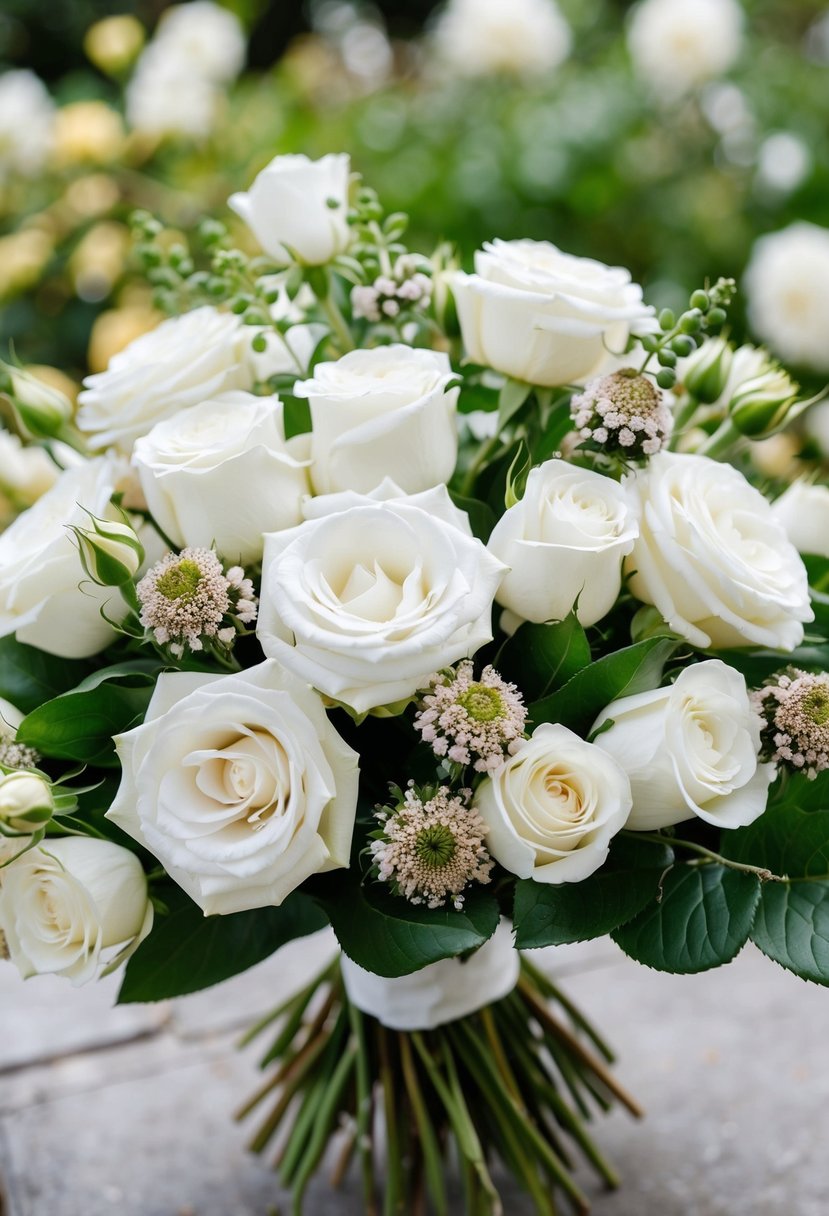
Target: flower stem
(761, 872)
(338, 323)
(723, 438)
(487, 449)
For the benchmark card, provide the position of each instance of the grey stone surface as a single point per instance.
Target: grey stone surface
(132, 1117)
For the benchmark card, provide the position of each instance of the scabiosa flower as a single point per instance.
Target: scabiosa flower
(391, 294)
(795, 709)
(430, 846)
(471, 721)
(623, 412)
(188, 597)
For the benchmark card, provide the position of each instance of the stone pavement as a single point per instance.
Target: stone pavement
(126, 1111)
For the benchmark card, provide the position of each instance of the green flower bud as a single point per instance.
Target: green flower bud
(26, 802)
(110, 550)
(765, 402)
(667, 320)
(40, 410)
(706, 372)
(700, 300)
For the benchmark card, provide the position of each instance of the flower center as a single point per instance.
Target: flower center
(435, 846)
(482, 703)
(180, 582)
(816, 706)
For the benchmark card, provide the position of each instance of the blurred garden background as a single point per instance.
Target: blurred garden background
(668, 136)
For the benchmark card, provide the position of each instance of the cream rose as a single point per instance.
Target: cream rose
(186, 360)
(712, 558)
(65, 902)
(544, 316)
(678, 44)
(565, 540)
(45, 598)
(222, 472)
(239, 785)
(690, 749)
(299, 206)
(787, 284)
(477, 37)
(385, 412)
(554, 806)
(803, 511)
(369, 597)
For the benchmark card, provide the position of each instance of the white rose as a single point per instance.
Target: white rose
(440, 992)
(222, 472)
(25, 472)
(676, 45)
(690, 749)
(378, 413)
(206, 37)
(544, 316)
(186, 360)
(27, 120)
(239, 785)
(165, 97)
(787, 284)
(66, 901)
(45, 598)
(366, 601)
(564, 540)
(803, 511)
(554, 806)
(299, 206)
(477, 37)
(712, 557)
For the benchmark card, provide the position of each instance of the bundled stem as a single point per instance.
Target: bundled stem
(514, 1083)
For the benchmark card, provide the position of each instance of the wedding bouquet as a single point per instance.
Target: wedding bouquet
(451, 610)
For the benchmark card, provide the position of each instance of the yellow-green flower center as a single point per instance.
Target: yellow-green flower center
(435, 846)
(180, 582)
(482, 703)
(816, 706)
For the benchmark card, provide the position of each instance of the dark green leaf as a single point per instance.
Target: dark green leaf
(390, 936)
(481, 516)
(557, 426)
(702, 920)
(297, 415)
(792, 927)
(758, 665)
(542, 657)
(637, 668)
(187, 950)
(79, 725)
(547, 915)
(28, 676)
(477, 397)
(512, 396)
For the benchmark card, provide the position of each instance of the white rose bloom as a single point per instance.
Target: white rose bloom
(803, 511)
(378, 413)
(222, 472)
(65, 902)
(27, 119)
(207, 38)
(186, 360)
(544, 316)
(712, 557)
(440, 992)
(166, 98)
(564, 540)
(45, 598)
(787, 283)
(554, 806)
(369, 597)
(239, 785)
(26, 473)
(299, 206)
(676, 45)
(478, 37)
(690, 749)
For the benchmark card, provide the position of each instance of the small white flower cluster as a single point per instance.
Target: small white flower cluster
(795, 708)
(430, 850)
(390, 295)
(462, 717)
(188, 597)
(17, 755)
(624, 410)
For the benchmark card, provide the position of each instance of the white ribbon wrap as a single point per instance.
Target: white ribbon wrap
(440, 992)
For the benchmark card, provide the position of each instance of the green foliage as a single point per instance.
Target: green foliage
(28, 676)
(539, 658)
(553, 915)
(188, 951)
(701, 919)
(390, 936)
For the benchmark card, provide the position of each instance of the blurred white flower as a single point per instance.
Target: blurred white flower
(25, 472)
(783, 162)
(478, 37)
(787, 283)
(27, 116)
(675, 45)
(208, 39)
(165, 97)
